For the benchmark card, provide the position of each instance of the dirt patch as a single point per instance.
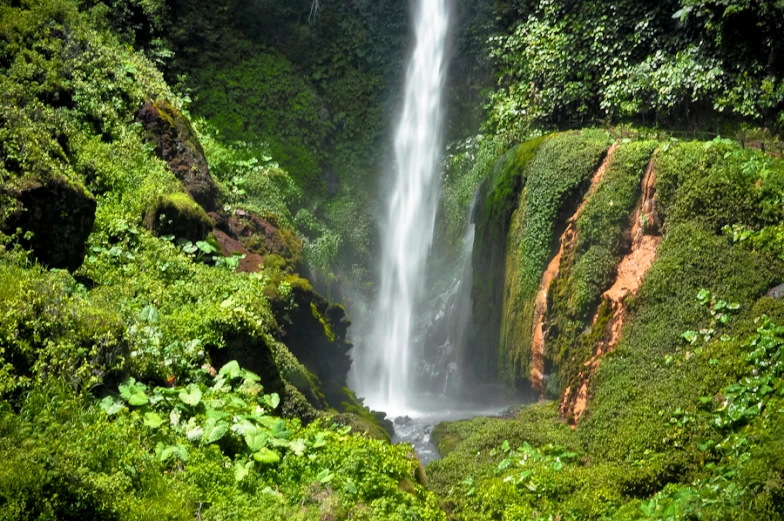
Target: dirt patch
(644, 229)
(540, 304)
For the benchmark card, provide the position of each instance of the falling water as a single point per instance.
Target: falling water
(386, 365)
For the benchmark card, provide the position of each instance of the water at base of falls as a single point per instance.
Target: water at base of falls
(416, 426)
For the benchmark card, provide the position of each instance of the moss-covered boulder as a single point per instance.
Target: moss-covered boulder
(250, 234)
(178, 215)
(56, 216)
(315, 331)
(177, 144)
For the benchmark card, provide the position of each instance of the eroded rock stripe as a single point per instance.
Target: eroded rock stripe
(540, 304)
(630, 275)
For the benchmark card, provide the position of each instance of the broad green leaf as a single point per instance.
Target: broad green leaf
(164, 452)
(111, 406)
(231, 369)
(274, 400)
(297, 446)
(193, 430)
(241, 470)
(149, 314)
(267, 421)
(205, 247)
(266, 456)
(320, 442)
(174, 417)
(325, 476)
(243, 427)
(133, 392)
(214, 413)
(152, 420)
(138, 399)
(256, 440)
(191, 395)
(214, 430)
(279, 430)
(249, 375)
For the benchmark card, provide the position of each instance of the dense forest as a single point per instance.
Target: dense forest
(192, 213)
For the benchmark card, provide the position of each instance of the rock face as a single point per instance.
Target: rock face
(59, 215)
(498, 199)
(248, 234)
(177, 144)
(180, 216)
(315, 332)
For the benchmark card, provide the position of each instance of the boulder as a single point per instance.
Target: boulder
(178, 215)
(177, 144)
(56, 217)
(247, 233)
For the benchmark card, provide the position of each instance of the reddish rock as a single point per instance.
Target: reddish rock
(251, 234)
(177, 144)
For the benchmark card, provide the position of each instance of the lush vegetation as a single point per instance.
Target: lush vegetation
(146, 339)
(177, 177)
(691, 63)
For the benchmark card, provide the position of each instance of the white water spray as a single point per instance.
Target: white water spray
(385, 366)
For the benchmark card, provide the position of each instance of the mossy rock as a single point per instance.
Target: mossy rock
(178, 215)
(361, 425)
(444, 439)
(56, 217)
(177, 144)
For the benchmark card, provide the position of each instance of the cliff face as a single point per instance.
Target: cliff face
(649, 322)
(522, 203)
(568, 227)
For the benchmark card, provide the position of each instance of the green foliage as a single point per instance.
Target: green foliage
(687, 62)
(51, 328)
(177, 458)
(262, 100)
(250, 179)
(465, 167)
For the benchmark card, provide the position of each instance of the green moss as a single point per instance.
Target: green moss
(497, 199)
(178, 215)
(588, 264)
(556, 177)
(327, 328)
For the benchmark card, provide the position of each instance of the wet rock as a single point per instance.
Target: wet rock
(777, 292)
(178, 215)
(249, 263)
(57, 217)
(314, 330)
(403, 420)
(177, 144)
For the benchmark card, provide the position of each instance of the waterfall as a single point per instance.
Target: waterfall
(446, 322)
(385, 365)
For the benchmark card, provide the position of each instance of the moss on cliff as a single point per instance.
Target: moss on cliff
(575, 324)
(497, 199)
(678, 419)
(552, 181)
